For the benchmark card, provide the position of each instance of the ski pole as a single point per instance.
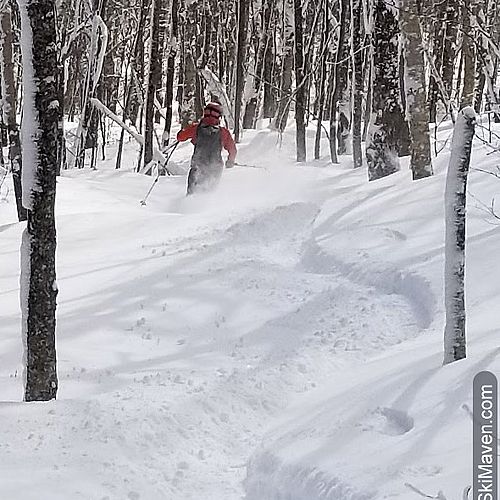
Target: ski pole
(171, 151)
(248, 166)
(143, 202)
(169, 147)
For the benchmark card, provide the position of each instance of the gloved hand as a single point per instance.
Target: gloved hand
(229, 163)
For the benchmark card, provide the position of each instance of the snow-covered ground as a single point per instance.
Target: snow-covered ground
(278, 339)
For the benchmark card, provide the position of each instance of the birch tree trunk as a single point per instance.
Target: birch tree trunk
(450, 46)
(9, 108)
(382, 141)
(417, 108)
(455, 205)
(40, 132)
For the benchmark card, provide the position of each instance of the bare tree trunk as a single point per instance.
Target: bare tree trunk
(444, 53)
(339, 116)
(243, 9)
(38, 278)
(9, 108)
(455, 202)
(468, 53)
(188, 79)
(299, 82)
(483, 66)
(322, 77)
(154, 80)
(344, 94)
(450, 46)
(169, 92)
(269, 103)
(358, 87)
(137, 66)
(286, 68)
(382, 142)
(416, 99)
(488, 61)
(368, 77)
(404, 140)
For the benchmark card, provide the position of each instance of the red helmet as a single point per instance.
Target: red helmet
(213, 109)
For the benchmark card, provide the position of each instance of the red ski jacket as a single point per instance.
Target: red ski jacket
(227, 141)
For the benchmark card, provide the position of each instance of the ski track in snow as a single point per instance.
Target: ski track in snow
(201, 331)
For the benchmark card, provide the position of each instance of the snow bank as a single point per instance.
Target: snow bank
(402, 421)
(278, 339)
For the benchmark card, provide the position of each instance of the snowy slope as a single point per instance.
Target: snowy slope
(400, 421)
(280, 338)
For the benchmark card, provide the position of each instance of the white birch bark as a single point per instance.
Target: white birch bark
(417, 108)
(455, 209)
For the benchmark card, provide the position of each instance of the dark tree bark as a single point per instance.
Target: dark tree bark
(344, 93)
(404, 140)
(9, 109)
(189, 100)
(262, 49)
(340, 122)
(131, 91)
(269, 103)
(172, 54)
(488, 62)
(243, 10)
(39, 288)
(300, 98)
(367, 77)
(322, 77)
(468, 54)
(94, 117)
(444, 53)
(250, 116)
(358, 86)
(286, 69)
(137, 66)
(382, 143)
(153, 81)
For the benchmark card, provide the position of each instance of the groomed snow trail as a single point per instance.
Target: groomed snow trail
(185, 329)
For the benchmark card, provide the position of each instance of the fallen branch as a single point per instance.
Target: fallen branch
(216, 87)
(439, 496)
(158, 156)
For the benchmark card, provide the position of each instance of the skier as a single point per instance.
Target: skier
(208, 138)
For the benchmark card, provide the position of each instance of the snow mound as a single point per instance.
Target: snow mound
(283, 221)
(284, 482)
(384, 277)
